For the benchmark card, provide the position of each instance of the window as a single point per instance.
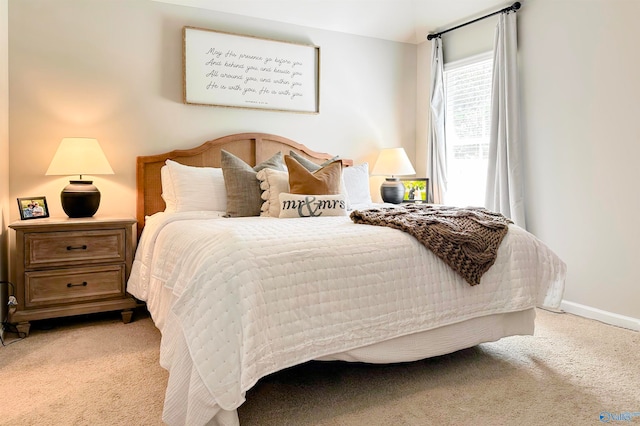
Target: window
(468, 117)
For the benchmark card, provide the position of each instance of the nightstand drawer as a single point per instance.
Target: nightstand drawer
(47, 249)
(65, 286)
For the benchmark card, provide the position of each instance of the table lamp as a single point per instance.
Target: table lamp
(79, 156)
(392, 162)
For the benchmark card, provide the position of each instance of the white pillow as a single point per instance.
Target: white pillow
(296, 205)
(272, 183)
(168, 195)
(356, 183)
(188, 188)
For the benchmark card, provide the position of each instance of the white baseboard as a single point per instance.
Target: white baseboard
(600, 315)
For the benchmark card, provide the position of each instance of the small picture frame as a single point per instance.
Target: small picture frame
(416, 190)
(33, 207)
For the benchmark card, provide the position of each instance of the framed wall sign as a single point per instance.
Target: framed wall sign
(416, 190)
(232, 70)
(33, 207)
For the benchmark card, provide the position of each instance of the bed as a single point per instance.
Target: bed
(239, 298)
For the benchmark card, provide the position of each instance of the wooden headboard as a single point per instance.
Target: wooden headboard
(253, 148)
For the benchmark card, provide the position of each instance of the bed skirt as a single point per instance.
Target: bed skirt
(412, 347)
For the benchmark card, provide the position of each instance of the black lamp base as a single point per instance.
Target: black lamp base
(80, 198)
(392, 191)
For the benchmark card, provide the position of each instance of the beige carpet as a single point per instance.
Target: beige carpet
(94, 370)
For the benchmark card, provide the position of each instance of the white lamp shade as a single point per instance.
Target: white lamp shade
(79, 156)
(393, 162)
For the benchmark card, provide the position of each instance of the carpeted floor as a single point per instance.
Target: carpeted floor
(94, 370)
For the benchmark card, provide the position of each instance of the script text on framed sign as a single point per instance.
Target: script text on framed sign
(232, 70)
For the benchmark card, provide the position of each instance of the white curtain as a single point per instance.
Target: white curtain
(505, 193)
(437, 171)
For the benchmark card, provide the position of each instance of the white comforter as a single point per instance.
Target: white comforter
(251, 296)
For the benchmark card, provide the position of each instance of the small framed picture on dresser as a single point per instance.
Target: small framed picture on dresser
(33, 207)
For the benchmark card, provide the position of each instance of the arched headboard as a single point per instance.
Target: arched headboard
(253, 148)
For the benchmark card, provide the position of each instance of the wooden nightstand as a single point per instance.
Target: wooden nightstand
(63, 267)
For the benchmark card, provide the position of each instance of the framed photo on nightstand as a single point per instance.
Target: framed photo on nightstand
(33, 207)
(416, 190)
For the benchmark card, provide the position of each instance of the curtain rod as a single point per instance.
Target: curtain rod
(513, 7)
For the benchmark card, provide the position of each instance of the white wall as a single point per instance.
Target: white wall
(580, 97)
(423, 108)
(112, 69)
(4, 151)
(469, 40)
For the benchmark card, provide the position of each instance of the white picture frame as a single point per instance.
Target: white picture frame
(232, 70)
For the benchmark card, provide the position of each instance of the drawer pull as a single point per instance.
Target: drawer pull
(82, 247)
(84, 284)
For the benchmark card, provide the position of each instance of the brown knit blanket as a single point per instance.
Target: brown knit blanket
(467, 239)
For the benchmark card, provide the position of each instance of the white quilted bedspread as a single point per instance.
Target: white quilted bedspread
(252, 296)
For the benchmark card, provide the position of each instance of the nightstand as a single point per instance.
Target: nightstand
(63, 267)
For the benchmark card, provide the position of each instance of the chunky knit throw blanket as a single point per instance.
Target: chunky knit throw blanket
(466, 239)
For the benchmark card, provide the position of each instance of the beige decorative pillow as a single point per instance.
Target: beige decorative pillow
(242, 184)
(324, 181)
(272, 183)
(312, 167)
(300, 205)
